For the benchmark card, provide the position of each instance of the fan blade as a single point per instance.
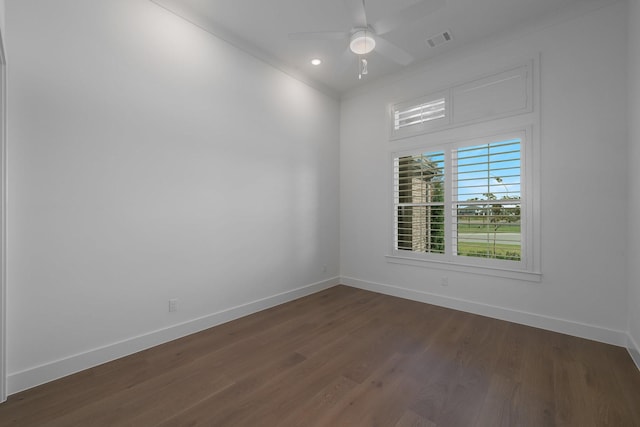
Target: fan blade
(407, 15)
(358, 12)
(320, 35)
(392, 52)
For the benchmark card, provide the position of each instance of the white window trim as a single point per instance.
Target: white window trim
(529, 267)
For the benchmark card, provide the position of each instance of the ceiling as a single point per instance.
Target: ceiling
(262, 28)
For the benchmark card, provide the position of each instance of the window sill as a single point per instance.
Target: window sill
(528, 276)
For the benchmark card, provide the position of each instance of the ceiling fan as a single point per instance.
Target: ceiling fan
(365, 37)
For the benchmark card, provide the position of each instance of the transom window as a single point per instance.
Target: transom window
(413, 115)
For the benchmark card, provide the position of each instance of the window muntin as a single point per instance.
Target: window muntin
(462, 203)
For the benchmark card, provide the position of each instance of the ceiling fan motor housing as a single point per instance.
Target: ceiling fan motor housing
(362, 42)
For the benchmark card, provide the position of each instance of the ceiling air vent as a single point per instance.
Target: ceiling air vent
(439, 39)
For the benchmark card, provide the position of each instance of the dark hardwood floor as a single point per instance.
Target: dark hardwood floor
(347, 357)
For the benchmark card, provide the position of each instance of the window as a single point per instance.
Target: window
(420, 115)
(420, 202)
(414, 115)
(463, 203)
(487, 196)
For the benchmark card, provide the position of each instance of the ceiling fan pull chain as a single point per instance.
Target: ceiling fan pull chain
(362, 68)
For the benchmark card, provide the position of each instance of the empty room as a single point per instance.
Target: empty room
(308, 213)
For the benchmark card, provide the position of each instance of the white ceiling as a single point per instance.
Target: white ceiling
(262, 27)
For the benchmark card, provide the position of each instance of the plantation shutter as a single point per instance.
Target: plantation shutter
(487, 200)
(419, 202)
(419, 114)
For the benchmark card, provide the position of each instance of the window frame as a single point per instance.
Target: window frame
(528, 267)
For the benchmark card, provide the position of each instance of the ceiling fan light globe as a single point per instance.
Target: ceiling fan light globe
(362, 42)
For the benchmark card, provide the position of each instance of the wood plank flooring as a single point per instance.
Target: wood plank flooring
(347, 357)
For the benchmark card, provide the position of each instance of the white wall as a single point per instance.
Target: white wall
(3, 389)
(634, 177)
(583, 180)
(2, 14)
(149, 161)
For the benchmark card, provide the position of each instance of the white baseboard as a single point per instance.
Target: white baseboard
(582, 330)
(634, 350)
(38, 375)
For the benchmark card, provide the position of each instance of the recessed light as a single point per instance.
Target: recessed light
(316, 61)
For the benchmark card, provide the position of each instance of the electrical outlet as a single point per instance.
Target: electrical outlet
(173, 305)
(444, 281)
